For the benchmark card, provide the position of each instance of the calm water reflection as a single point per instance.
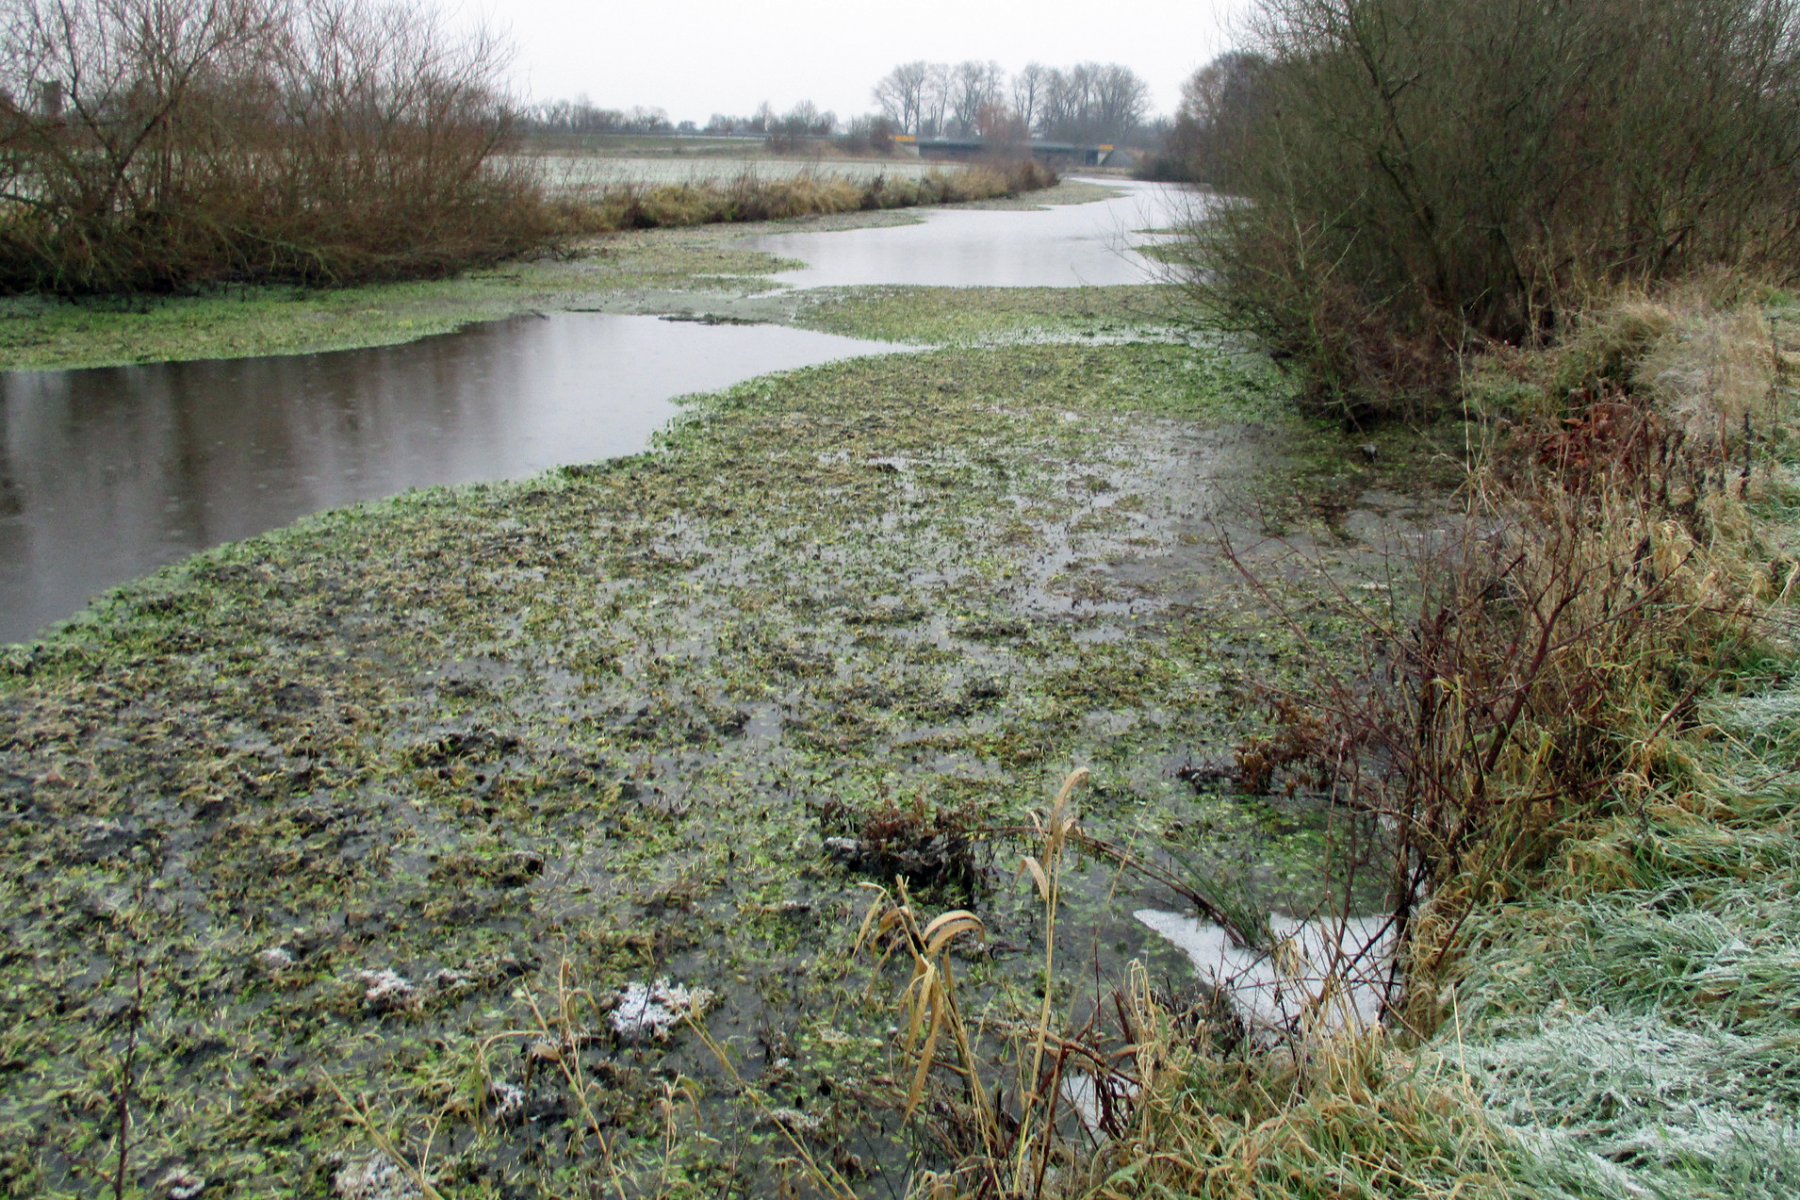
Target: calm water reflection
(106, 474)
(1066, 246)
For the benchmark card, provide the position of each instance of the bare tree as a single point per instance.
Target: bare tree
(973, 87)
(901, 95)
(1027, 94)
(309, 139)
(1119, 99)
(936, 99)
(1212, 127)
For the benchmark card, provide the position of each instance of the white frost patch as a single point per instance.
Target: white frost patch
(509, 1099)
(181, 1184)
(384, 990)
(794, 1120)
(646, 1012)
(1321, 976)
(450, 981)
(376, 1177)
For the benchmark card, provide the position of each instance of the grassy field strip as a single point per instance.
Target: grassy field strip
(578, 172)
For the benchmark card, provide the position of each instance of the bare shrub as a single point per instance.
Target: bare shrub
(1554, 641)
(198, 140)
(1420, 173)
(749, 197)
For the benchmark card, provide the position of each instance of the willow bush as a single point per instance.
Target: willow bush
(159, 144)
(1424, 174)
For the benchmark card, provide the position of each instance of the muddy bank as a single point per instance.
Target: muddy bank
(366, 795)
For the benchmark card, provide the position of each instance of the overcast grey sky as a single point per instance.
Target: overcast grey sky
(697, 57)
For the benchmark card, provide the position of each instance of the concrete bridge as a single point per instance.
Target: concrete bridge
(1065, 154)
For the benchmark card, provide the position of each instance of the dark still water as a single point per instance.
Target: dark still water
(106, 474)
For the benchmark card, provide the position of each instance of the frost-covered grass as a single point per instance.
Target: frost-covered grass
(1631, 1014)
(1638, 1028)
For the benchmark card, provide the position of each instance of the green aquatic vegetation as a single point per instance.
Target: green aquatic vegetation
(977, 316)
(649, 270)
(359, 793)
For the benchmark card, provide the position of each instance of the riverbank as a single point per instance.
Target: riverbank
(704, 270)
(365, 795)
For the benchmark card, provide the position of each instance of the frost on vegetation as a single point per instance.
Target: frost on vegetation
(794, 1120)
(181, 1184)
(508, 1098)
(376, 1177)
(646, 1012)
(385, 991)
(1320, 975)
(448, 980)
(1637, 1106)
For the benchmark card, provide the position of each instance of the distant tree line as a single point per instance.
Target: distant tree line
(804, 120)
(581, 115)
(1088, 102)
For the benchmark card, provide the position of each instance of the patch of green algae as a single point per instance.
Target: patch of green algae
(975, 316)
(236, 323)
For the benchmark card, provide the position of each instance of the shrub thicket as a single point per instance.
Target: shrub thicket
(156, 144)
(1420, 173)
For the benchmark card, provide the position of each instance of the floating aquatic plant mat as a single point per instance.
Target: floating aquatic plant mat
(406, 812)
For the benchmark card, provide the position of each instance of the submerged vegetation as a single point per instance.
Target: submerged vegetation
(398, 802)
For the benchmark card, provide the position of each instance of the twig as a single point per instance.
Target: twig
(136, 1018)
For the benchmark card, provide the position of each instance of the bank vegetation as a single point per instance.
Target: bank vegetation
(750, 197)
(158, 144)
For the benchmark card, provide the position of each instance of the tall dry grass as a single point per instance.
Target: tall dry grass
(752, 198)
(1158, 1093)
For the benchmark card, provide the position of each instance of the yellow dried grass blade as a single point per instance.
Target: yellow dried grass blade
(876, 907)
(939, 933)
(1037, 873)
(925, 981)
(926, 1053)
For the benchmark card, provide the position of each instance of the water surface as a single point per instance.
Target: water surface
(109, 473)
(1071, 245)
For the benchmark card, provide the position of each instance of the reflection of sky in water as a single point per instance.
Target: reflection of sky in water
(106, 474)
(1066, 246)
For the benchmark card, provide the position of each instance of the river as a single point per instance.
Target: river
(108, 473)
